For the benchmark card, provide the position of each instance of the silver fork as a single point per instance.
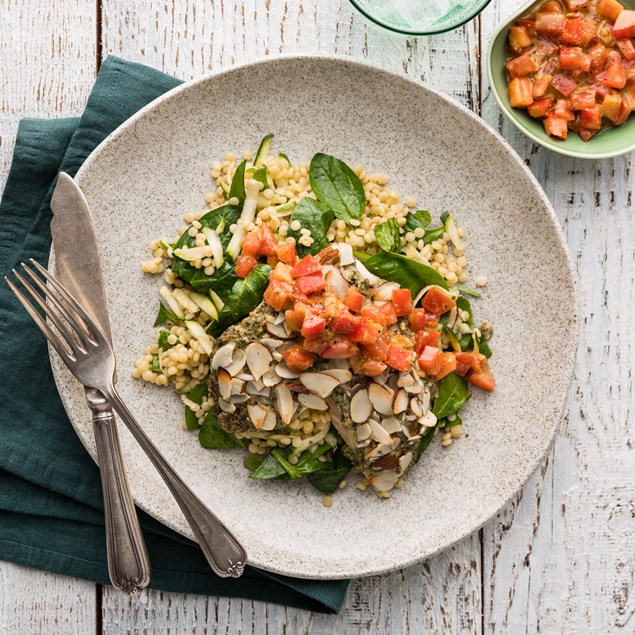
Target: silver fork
(89, 356)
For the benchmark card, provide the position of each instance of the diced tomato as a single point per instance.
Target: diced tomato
(268, 242)
(345, 323)
(292, 323)
(609, 9)
(625, 111)
(430, 360)
(468, 360)
(437, 301)
(287, 253)
(591, 118)
(244, 265)
(340, 348)
(519, 37)
(366, 331)
(521, 66)
(448, 365)
(615, 76)
(372, 367)
(282, 273)
(399, 357)
(251, 244)
(628, 48)
(426, 338)
(550, 24)
(578, 31)
(629, 67)
(483, 379)
(628, 95)
(564, 84)
(298, 359)
(624, 26)
(582, 98)
(389, 313)
(563, 110)
(374, 313)
(520, 92)
(573, 58)
(308, 265)
(574, 5)
(313, 326)
(556, 127)
(277, 294)
(354, 300)
(599, 56)
(402, 301)
(539, 108)
(378, 349)
(306, 285)
(610, 107)
(586, 134)
(417, 319)
(317, 345)
(540, 86)
(530, 25)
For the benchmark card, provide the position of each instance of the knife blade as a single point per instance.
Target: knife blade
(79, 270)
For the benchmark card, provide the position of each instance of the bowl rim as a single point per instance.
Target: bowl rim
(411, 32)
(505, 108)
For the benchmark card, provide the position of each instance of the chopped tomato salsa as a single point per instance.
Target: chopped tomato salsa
(571, 64)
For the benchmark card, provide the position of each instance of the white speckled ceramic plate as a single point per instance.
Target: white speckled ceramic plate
(155, 168)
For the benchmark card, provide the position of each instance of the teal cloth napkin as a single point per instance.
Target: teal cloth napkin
(50, 495)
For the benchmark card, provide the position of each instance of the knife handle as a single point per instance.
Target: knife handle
(128, 561)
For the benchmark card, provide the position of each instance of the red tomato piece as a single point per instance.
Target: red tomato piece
(333, 306)
(287, 253)
(309, 284)
(366, 332)
(579, 31)
(624, 26)
(317, 345)
(292, 323)
(437, 301)
(552, 6)
(573, 58)
(313, 326)
(520, 92)
(340, 348)
(372, 367)
(540, 86)
(251, 244)
(599, 56)
(448, 365)
(282, 272)
(556, 127)
(277, 294)
(591, 118)
(430, 360)
(530, 25)
(402, 301)
(468, 360)
(374, 313)
(308, 265)
(609, 9)
(244, 265)
(378, 349)
(345, 323)
(389, 313)
(418, 319)
(399, 357)
(298, 359)
(354, 300)
(550, 24)
(586, 134)
(574, 5)
(521, 66)
(564, 84)
(615, 76)
(426, 338)
(268, 242)
(563, 110)
(582, 98)
(611, 104)
(483, 379)
(519, 37)
(625, 111)
(628, 48)
(540, 107)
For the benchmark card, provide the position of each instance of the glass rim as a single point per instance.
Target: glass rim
(396, 29)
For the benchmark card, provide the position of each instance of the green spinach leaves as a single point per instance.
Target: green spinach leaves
(407, 273)
(387, 235)
(317, 218)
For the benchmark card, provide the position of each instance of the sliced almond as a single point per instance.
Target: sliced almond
(319, 384)
(270, 343)
(424, 399)
(277, 356)
(238, 386)
(237, 364)
(405, 379)
(277, 330)
(224, 383)
(284, 403)
(381, 398)
(258, 359)
(361, 406)
(415, 387)
(429, 419)
(241, 398)
(382, 378)
(223, 356)
(383, 481)
(279, 318)
(415, 408)
(400, 401)
(363, 432)
(336, 283)
(271, 378)
(285, 372)
(346, 254)
(340, 374)
(257, 415)
(226, 406)
(391, 425)
(378, 432)
(379, 450)
(404, 462)
(245, 376)
(270, 421)
(258, 389)
(312, 402)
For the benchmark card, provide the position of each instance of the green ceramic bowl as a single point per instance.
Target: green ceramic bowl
(609, 143)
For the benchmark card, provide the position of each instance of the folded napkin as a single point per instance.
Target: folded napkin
(50, 494)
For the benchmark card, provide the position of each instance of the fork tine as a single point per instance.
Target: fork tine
(61, 327)
(43, 326)
(81, 339)
(74, 304)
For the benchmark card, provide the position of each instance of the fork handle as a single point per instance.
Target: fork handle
(222, 550)
(128, 561)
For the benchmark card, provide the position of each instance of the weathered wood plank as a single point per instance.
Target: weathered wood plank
(188, 38)
(561, 557)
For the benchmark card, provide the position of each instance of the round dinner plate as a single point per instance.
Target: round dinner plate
(155, 168)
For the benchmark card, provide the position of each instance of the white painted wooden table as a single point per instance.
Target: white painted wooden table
(561, 557)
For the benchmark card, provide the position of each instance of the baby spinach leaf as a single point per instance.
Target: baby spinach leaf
(328, 479)
(237, 189)
(387, 235)
(467, 340)
(409, 274)
(451, 397)
(425, 442)
(164, 315)
(244, 297)
(483, 347)
(197, 394)
(317, 218)
(214, 437)
(417, 220)
(164, 345)
(270, 467)
(155, 365)
(336, 185)
(433, 234)
(456, 422)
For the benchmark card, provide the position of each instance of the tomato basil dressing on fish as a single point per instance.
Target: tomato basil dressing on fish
(309, 317)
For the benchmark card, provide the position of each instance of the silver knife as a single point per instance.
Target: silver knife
(79, 270)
